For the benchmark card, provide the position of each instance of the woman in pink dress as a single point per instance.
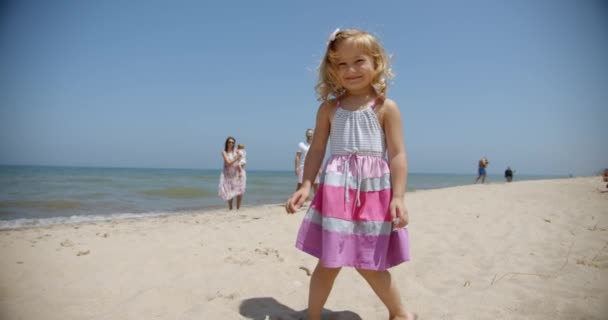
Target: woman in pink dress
(232, 182)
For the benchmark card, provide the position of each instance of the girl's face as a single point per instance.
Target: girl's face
(354, 67)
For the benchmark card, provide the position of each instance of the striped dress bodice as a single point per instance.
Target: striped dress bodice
(357, 132)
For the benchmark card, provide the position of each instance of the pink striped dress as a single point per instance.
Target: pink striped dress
(349, 222)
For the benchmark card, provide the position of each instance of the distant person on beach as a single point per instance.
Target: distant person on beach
(300, 159)
(509, 174)
(481, 169)
(358, 217)
(232, 184)
(243, 154)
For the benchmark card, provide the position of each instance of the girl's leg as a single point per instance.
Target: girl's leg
(386, 289)
(230, 204)
(238, 201)
(321, 282)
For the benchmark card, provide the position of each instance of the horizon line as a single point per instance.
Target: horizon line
(273, 170)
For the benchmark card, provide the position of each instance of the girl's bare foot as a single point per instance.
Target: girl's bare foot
(409, 316)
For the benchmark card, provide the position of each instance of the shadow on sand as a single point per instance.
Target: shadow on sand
(267, 308)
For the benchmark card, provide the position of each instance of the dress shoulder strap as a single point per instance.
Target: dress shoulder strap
(377, 101)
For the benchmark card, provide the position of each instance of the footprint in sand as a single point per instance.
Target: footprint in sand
(219, 294)
(43, 236)
(67, 243)
(269, 252)
(265, 252)
(241, 262)
(593, 263)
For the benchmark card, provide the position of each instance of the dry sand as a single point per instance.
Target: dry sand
(525, 250)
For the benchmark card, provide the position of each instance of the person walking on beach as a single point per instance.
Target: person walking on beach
(301, 157)
(232, 182)
(358, 217)
(481, 169)
(509, 174)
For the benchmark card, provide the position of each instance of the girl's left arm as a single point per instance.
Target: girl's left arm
(397, 160)
(393, 131)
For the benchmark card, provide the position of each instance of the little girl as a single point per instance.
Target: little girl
(243, 153)
(358, 215)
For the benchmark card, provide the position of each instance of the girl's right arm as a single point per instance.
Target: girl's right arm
(314, 157)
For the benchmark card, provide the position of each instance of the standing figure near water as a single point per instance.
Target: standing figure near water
(301, 157)
(232, 183)
(509, 174)
(358, 216)
(481, 169)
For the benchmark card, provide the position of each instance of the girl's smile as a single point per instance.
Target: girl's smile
(354, 67)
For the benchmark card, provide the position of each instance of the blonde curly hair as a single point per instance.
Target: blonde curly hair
(328, 85)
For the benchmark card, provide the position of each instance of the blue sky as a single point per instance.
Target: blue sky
(163, 83)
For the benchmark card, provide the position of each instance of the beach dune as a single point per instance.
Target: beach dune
(524, 250)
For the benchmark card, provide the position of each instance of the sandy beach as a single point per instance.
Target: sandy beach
(525, 250)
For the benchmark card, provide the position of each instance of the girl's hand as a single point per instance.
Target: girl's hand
(399, 213)
(297, 199)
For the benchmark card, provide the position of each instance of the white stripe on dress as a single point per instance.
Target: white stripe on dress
(373, 228)
(365, 184)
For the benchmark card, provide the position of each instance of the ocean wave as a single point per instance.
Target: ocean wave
(86, 179)
(52, 205)
(42, 222)
(89, 196)
(178, 192)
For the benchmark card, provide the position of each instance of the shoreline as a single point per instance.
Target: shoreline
(21, 223)
(44, 196)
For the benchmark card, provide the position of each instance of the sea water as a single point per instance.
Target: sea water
(39, 195)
